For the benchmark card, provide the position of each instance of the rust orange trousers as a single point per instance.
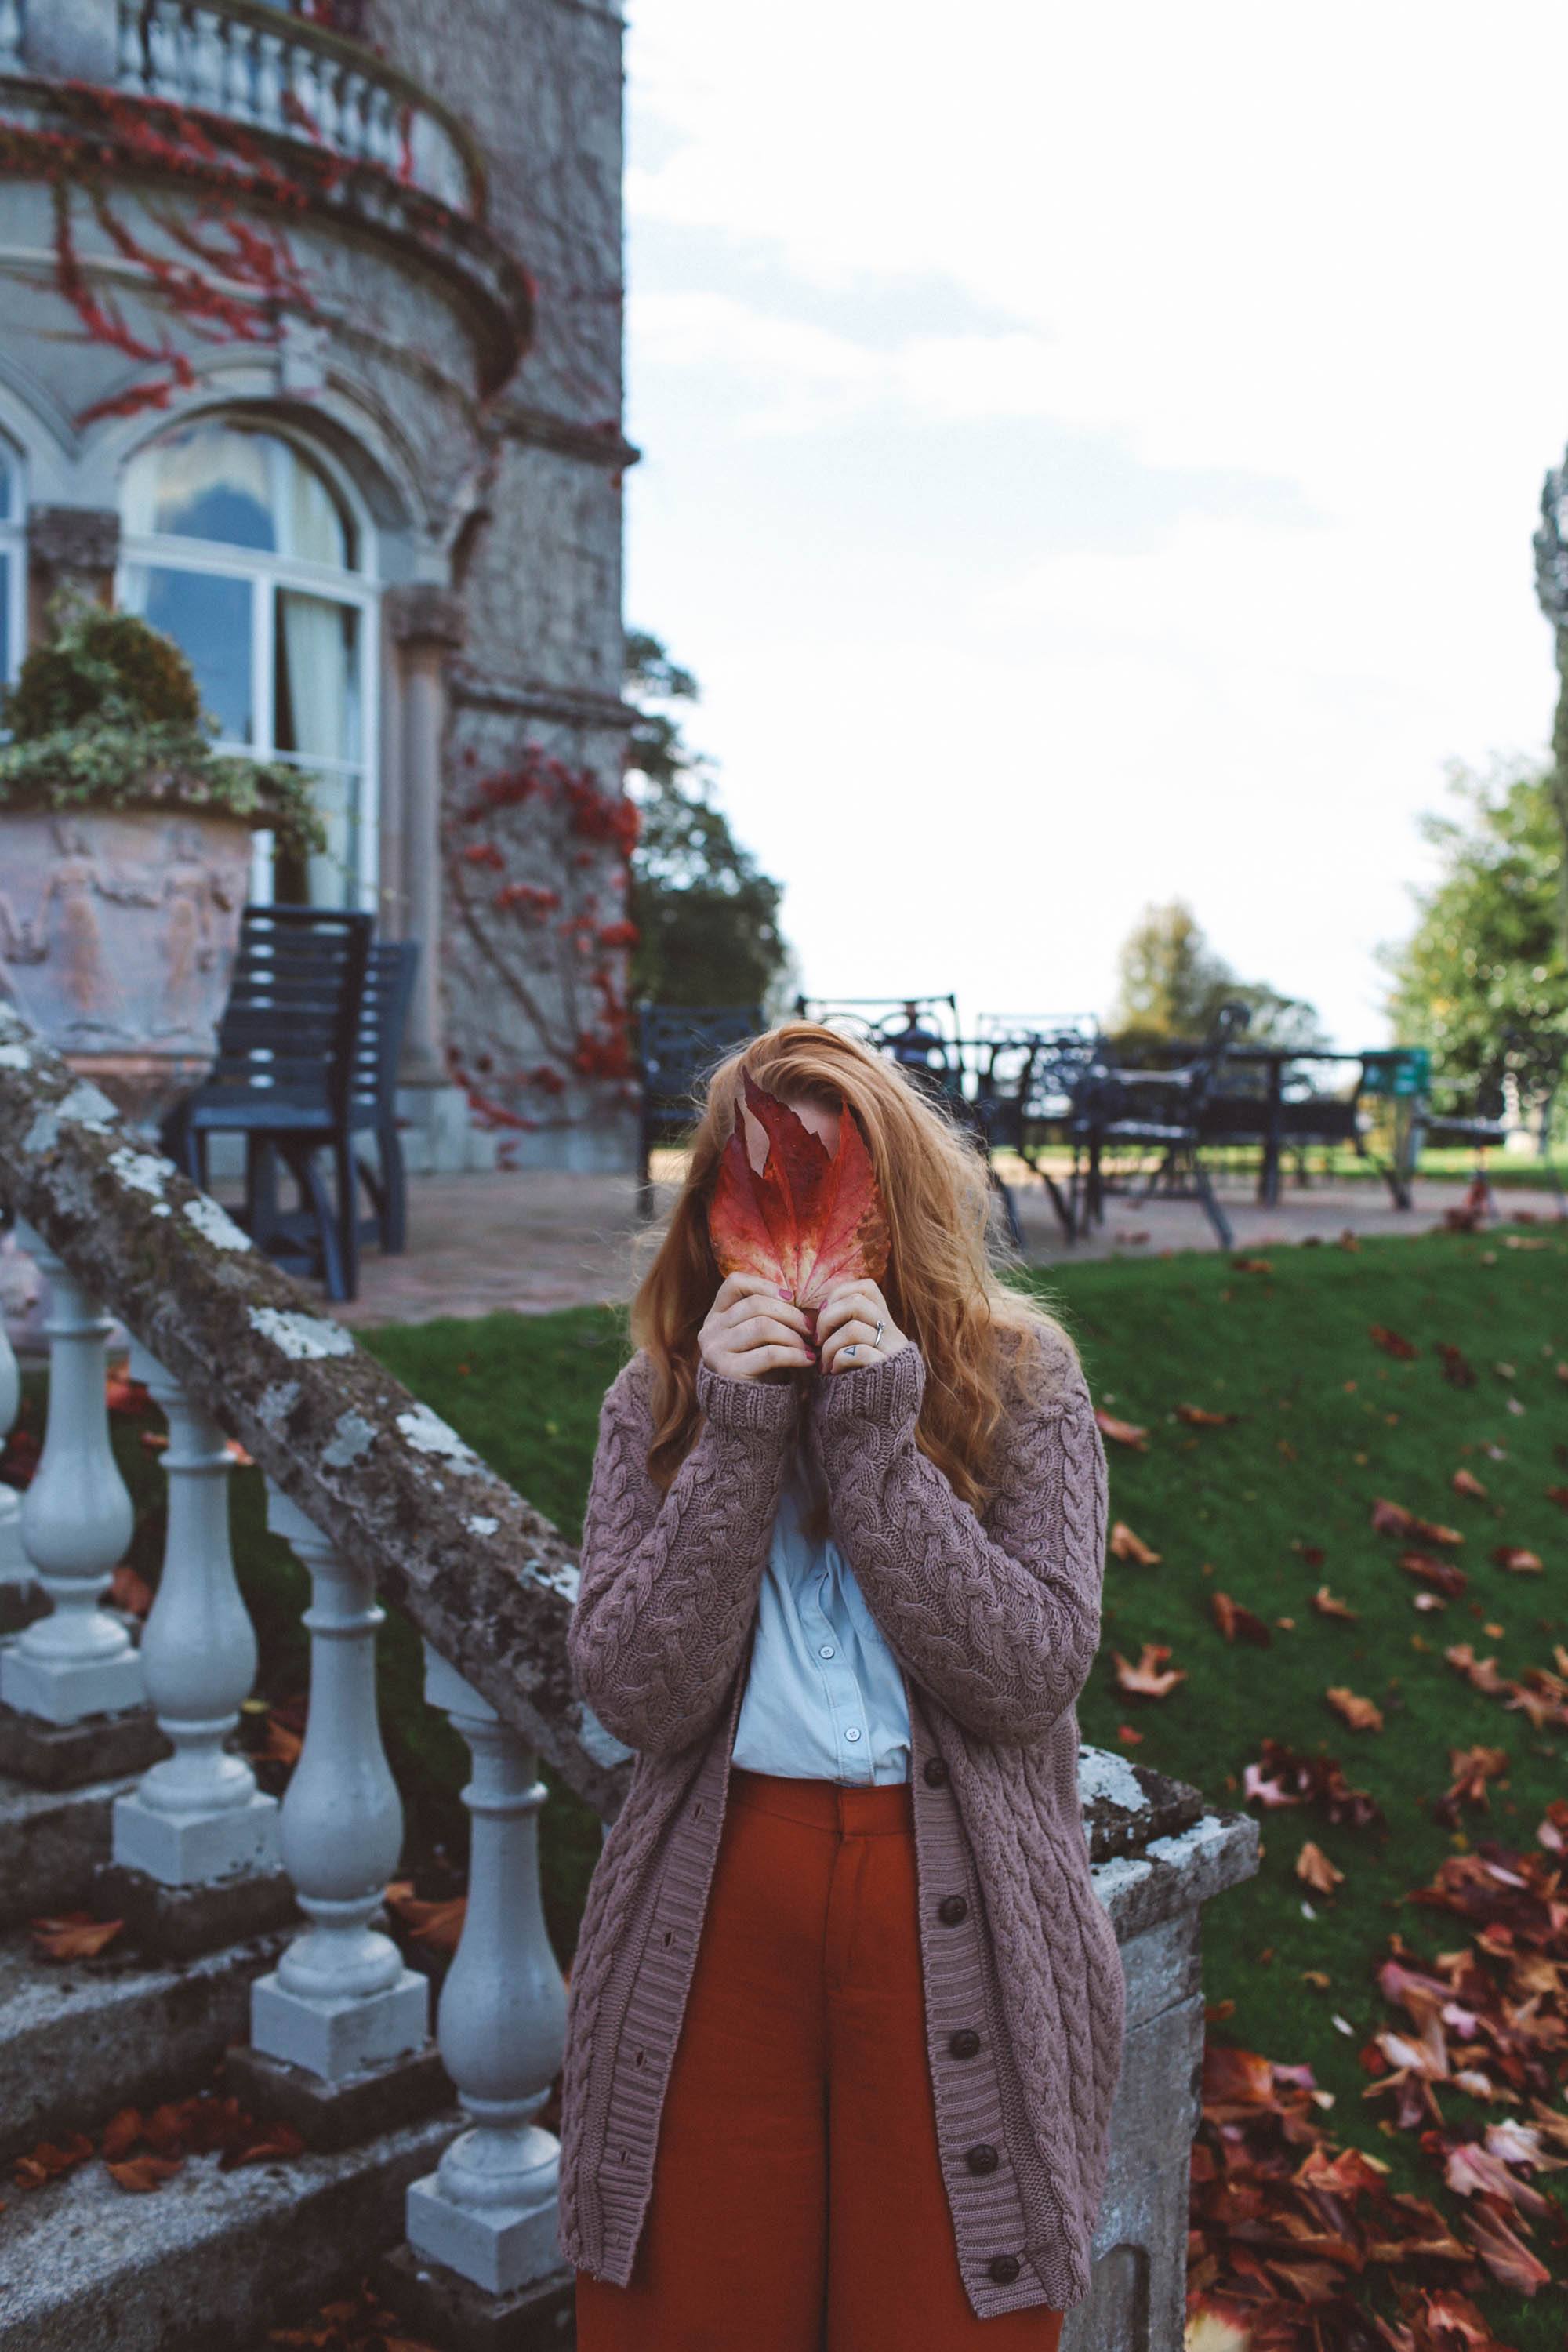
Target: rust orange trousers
(797, 2200)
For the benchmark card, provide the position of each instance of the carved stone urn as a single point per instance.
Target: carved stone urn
(118, 933)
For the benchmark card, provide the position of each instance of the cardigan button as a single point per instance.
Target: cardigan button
(936, 1772)
(983, 2159)
(1004, 2269)
(951, 1910)
(964, 2043)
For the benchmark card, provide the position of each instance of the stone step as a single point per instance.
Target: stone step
(80, 2038)
(210, 2257)
(50, 1840)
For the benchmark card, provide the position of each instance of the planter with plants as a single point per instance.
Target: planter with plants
(125, 854)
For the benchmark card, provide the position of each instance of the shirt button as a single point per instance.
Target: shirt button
(1004, 2269)
(827, 1651)
(964, 2043)
(951, 1910)
(852, 1734)
(981, 2159)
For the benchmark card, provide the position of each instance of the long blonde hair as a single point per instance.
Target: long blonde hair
(943, 1281)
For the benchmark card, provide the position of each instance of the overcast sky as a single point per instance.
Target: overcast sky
(1092, 456)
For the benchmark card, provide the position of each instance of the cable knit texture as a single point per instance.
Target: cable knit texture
(994, 1621)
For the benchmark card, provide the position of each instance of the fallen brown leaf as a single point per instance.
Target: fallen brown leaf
(1359, 1713)
(1122, 1432)
(1150, 1677)
(1233, 1620)
(74, 1936)
(1125, 1545)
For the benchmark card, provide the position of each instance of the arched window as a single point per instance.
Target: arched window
(13, 600)
(245, 550)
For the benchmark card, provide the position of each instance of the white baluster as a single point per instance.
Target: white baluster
(76, 1522)
(10, 33)
(206, 59)
(269, 80)
(489, 2209)
(197, 1814)
(353, 127)
(239, 48)
(381, 128)
(165, 43)
(340, 1998)
(327, 111)
(15, 1568)
(133, 73)
(305, 115)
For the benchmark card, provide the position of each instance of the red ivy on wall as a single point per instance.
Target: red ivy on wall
(573, 936)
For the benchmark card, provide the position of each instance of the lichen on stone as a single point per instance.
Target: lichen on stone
(303, 1336)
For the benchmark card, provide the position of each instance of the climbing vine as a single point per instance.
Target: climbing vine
(551, 946)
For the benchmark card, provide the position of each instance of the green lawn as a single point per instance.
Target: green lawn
(1327, 1421)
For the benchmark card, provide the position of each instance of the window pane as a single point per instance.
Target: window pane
(7, 493)
(332, 874)
(209, 618)
(317, 697)
(210, 481)
(239, 488)
(5, 615)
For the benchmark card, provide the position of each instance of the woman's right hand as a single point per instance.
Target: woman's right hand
(752, 1330)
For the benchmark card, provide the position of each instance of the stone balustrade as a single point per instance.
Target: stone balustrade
(259, 66)
(379, 1501)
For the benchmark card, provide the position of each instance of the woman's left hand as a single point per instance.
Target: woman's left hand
(855, 1327)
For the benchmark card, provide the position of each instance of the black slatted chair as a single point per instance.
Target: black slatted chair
(372, 1103)
(284, 1079)
(1157, 1114)
(679, 1045)
(1030, 1081)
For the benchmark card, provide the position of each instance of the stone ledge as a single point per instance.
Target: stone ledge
(333, 2115)
(80, 2039)
(50, 1841)
(1177, 1874)
(214, 2258)
(178, 1922)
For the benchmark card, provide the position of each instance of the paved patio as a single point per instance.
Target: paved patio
(533, 1242)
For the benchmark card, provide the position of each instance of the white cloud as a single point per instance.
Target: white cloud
(1312, 247)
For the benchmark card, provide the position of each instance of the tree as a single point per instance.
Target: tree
(1487, 951)
(706, 917)
(1173, 983)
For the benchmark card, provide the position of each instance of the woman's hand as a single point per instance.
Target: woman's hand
(855, 1327)
(751, 1330)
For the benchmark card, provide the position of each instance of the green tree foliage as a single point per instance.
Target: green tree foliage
(1173, 983)
(1485, 953)
(706, 917)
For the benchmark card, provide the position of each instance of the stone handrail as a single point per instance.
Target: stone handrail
(485, 1577)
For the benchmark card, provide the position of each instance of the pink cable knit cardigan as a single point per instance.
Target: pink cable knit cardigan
(995, 1625)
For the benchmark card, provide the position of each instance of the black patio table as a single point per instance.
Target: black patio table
(1274, 1118)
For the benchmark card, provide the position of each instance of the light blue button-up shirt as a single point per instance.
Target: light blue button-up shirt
(825, 1697)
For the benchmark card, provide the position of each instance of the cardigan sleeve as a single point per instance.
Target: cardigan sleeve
(1001, 1621)
(668, 1583)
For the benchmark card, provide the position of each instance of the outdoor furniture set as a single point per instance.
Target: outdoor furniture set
(1133, 1121)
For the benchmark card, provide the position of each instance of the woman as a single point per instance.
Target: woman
(841, 1964)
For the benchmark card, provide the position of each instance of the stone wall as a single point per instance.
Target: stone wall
(495, 488)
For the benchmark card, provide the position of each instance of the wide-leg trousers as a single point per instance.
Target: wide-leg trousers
(797, 2201)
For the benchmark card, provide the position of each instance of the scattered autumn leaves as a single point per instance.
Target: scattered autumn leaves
(1291, 2230)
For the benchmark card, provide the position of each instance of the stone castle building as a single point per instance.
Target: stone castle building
(311, 351)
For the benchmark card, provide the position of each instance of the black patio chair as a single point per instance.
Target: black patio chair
(284, 1079)
(1032, 1079)
(678, 1046)
(1158, 1114)
(373, 1103)
(1516, 1084)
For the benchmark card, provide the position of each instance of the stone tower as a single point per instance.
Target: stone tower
(311, 351)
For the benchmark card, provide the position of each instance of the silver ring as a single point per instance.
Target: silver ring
(876, 1340)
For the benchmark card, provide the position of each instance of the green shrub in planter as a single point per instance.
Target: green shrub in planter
(108, 715)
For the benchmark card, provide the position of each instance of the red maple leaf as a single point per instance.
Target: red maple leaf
(804, 1220)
